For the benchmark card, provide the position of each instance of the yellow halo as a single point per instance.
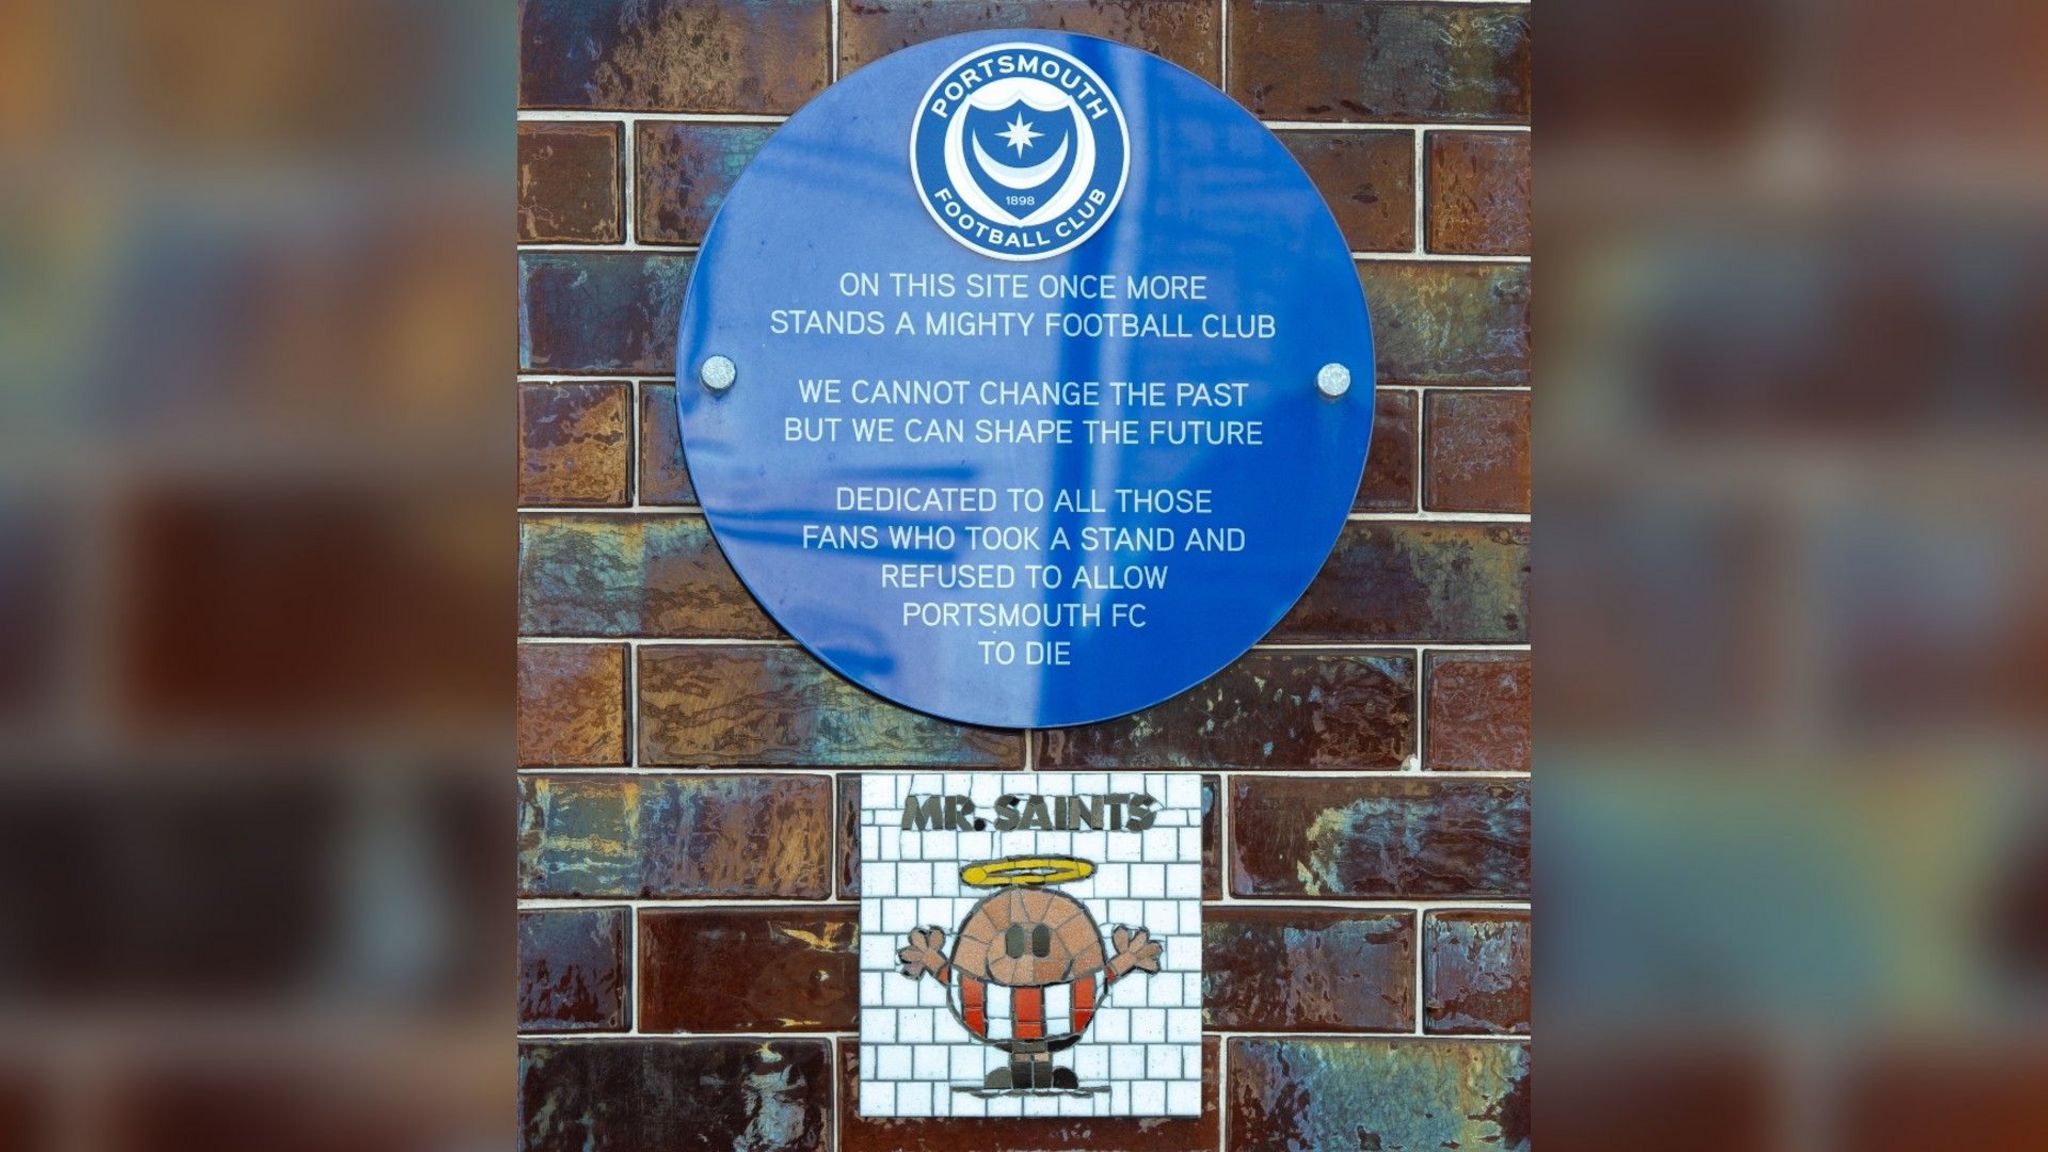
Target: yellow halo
(1034, 870)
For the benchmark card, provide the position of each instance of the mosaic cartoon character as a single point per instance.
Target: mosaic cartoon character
(1028, 969)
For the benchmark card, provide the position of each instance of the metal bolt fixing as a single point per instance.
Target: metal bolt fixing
(1334, 380)
(718, 373)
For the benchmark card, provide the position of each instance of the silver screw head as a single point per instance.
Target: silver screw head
(718, 373)
(1333, 380)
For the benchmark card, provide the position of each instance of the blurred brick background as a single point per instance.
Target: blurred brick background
(254, 590)
(686, 774)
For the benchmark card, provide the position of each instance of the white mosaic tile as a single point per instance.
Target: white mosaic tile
(929, 1046)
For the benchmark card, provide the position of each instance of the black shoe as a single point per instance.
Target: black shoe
(1065, 1078)
(998, 1079)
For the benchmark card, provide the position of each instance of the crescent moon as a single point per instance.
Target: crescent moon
(1020, 178)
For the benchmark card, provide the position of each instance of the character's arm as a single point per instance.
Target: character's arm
(924, 955)
(1135, 948)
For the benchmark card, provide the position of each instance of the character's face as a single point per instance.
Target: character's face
(1028, 936)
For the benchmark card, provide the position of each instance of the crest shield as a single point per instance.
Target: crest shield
(1019, 155)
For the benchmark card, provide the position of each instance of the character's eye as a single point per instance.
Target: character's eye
(1041, 941)
(1013, 940)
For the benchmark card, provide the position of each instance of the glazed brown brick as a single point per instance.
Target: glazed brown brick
(849, 834)
(1267, 710)
(628, 1095)
(727, 836)
(1448, 323)
(572, 704)
(1379, 838)
(569, 181)
(749, 969)
(1389, 481)
(287, 1091)
(752, 56)
(723, 707)
(1338, 60)
(1719, 1092)
(1307, 970)
(1417, 583)
(34, 547)
(1478, 186)
(1411, 1094)
(656, 576)
(572, 970)
(1478, 712)
(664, 477)
(682, 173)
(1475, 451)
(236, 877)
(1903, 1094)
(573, 443)
(279, 606)
(1183, 31)
(1009, 1134)
(1475, 972)
(29, 1102)
(600, 313)
(1368, 180)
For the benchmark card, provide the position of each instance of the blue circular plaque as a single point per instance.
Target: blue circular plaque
(1025, 379)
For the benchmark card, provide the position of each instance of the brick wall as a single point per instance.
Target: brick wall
(687, 776)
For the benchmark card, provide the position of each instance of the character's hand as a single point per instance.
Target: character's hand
(923, 955)
(1135, 948)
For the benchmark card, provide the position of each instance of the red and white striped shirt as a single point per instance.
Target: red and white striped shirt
(1004, 1012)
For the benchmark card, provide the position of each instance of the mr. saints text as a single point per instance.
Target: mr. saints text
(1110, 811)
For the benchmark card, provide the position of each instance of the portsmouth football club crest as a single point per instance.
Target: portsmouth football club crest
(1019, 151)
